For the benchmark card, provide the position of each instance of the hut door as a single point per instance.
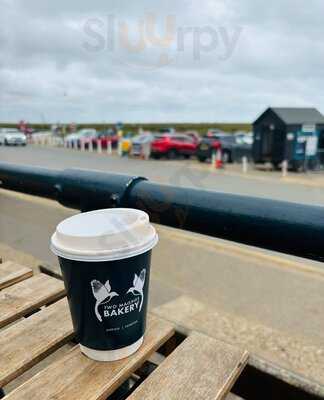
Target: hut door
(279, 144)
(266, 142)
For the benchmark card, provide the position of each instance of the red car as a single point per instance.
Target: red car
(173, 146)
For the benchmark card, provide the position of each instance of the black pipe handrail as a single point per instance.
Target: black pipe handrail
(275, 225)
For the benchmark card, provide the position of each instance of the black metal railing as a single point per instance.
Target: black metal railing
(281, 226)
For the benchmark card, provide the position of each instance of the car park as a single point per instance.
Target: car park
(12, 137)
(173, 146)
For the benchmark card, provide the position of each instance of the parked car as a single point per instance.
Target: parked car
(234, 147)
(207, 146)
(140, 142)
(173, 146)
(11, 136)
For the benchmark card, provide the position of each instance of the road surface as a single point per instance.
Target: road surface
(179, 173)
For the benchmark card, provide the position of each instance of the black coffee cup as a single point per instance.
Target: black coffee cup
(105, 261)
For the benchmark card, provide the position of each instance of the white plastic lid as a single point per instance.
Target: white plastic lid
(104, 235)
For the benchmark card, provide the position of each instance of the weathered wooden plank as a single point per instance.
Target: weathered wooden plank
(271, 351)
(26, 296)
(32, 339)
(76, 377)
(201, 368)
(11, 273)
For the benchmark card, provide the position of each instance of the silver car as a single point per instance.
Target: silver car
(141, 144)
(11, 136)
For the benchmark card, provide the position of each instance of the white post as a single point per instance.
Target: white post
(213, 160)
(82, 144)
(245, 164)
(90, 147)
(99, 147)
(284, 168)
(109, 147)
(75, 144)
(120, 147)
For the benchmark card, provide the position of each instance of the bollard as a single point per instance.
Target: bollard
(109, 147)
(82, 145)
(284, 168)
(75, 144)
(213, 160)
(90, 146)
(244, 164)
(99, 146)
(120, 148)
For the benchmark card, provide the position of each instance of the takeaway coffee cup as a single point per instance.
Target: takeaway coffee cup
(105, 260)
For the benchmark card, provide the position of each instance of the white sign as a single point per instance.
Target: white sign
(311, 145)
(309, 128)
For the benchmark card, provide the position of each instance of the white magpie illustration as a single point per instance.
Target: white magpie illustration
(102, 294)
(138, 285)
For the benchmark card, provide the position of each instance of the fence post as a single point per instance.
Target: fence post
(120, 147)
(99, 147)
(284, 168)
(109, 147)
(90, 148)
(213, 160)
(245, 164)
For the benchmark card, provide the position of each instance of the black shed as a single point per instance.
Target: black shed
(292, 134)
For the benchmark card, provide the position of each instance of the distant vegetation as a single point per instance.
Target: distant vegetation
(154, 127)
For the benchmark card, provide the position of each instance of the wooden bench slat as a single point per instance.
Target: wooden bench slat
(26, 296)
(201, 368)
(29, 341)
(11, 273)
(76, 377)
(271, 351)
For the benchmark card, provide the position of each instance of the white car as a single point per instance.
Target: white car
(11, 136)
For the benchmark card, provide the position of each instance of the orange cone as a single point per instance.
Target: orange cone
(219, 161)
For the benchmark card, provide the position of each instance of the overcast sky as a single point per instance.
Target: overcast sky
(202, 61)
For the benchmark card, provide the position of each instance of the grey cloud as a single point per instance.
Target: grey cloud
(46, 69)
